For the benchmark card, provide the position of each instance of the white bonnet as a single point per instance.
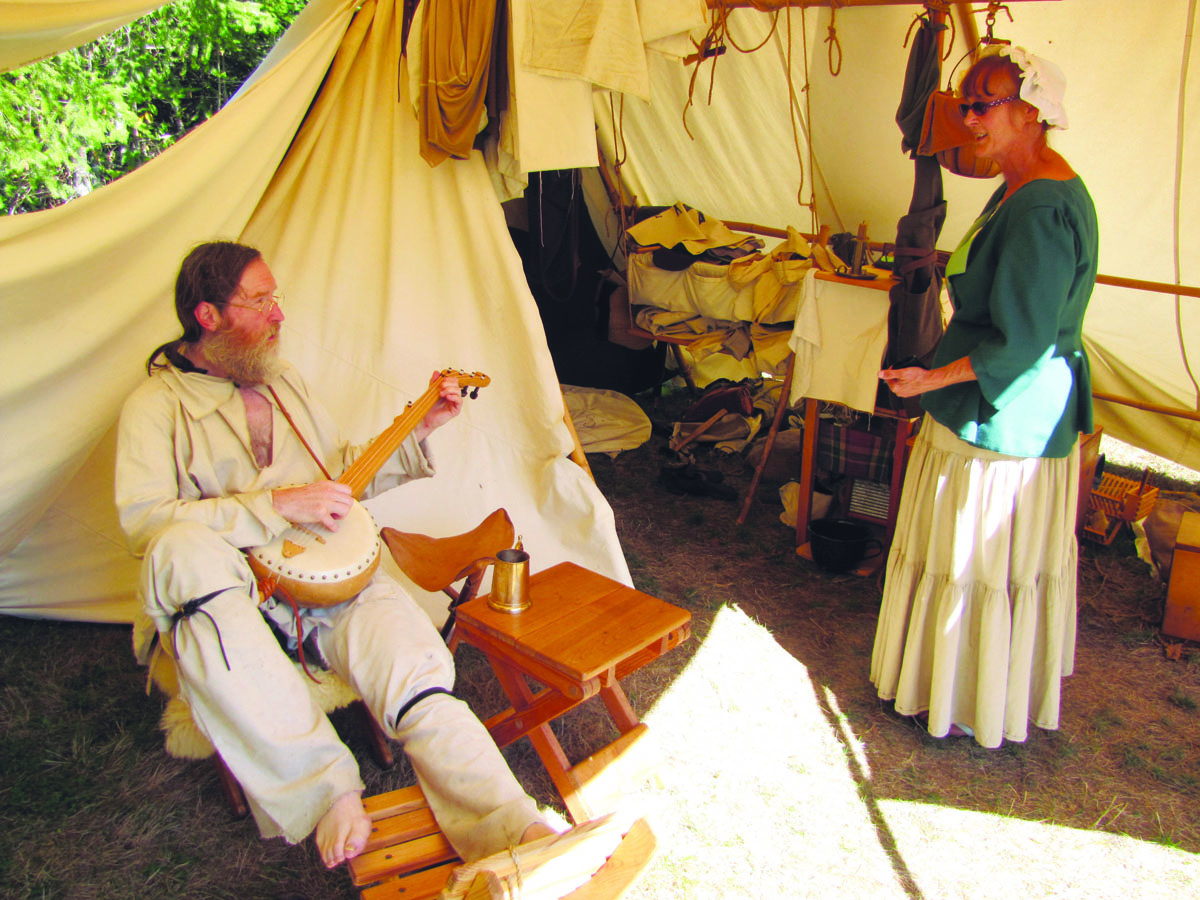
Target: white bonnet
(1043, 85)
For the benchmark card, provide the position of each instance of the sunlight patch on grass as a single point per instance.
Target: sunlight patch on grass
(764, 790)
(745, 739)
(1120, 453)
(950, 851)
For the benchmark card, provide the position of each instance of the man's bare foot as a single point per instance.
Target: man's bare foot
(343, 831)
(535, 831)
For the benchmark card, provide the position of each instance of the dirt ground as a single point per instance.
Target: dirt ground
(1129, 712)
(782, 773)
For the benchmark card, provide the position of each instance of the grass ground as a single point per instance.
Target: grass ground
(782, 774)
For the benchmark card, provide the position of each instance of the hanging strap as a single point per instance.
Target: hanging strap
(273, 588)
(296, 431)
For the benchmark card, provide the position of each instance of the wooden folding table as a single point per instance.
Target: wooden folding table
(582, 633)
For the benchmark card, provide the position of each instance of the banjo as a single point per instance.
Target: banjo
(318, 567)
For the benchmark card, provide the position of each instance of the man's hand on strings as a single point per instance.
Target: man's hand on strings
(448, 405)
(319, 503)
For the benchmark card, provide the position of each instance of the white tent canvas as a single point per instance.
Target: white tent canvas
(393, 269)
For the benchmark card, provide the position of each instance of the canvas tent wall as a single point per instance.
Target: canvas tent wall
(1134, 104)
(374, 248)
(392, 270)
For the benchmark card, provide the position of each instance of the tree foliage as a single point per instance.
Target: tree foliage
(87, 116)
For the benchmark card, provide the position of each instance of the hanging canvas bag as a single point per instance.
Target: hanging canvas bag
(945, 135)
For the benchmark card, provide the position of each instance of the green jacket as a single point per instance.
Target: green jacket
(1018, 315)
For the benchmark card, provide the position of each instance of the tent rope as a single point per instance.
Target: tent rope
(831, 38)
(1180, 131)
(793, 112)
(620, 155)
(727, 36)
(713, 46)
(931, 7)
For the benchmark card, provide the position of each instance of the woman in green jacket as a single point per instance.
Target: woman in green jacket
(977, 624)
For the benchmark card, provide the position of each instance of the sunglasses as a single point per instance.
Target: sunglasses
(979, 107)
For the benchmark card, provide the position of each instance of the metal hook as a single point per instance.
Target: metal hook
(990, 21)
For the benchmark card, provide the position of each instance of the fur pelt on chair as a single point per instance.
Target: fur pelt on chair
(183, 737)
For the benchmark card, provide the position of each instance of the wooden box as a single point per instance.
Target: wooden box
(1182, 617)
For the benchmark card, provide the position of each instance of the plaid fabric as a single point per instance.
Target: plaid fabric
(857, 454)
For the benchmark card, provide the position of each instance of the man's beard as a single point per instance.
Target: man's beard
(247, 360)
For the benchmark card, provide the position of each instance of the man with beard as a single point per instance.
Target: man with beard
(208, 463)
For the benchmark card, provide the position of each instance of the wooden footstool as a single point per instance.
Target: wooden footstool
(408, 858)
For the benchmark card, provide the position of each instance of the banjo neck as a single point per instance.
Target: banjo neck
(360, 472)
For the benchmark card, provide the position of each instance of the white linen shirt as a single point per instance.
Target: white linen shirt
(184, 454)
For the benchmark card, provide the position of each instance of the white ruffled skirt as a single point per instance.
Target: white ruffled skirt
(977, 624)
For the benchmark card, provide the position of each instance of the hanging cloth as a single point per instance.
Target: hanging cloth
(456, 53)
(914, 313)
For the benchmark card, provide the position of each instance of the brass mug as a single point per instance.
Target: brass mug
(510, 581)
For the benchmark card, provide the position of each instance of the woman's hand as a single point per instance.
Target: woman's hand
(448, 405)
(909, 382)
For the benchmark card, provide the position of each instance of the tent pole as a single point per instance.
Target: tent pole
(1154, 287)
(966, 18)
(577, 454)
(1137, 284)
(1148, 407)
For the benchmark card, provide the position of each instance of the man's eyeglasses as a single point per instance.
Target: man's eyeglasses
(979, 107)
(264, 305)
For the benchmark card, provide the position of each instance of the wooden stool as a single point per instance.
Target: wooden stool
(408, 858)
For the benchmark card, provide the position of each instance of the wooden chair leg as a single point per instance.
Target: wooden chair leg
(381, 750)
(235, 797)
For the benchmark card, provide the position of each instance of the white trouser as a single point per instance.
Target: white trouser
(277, 742)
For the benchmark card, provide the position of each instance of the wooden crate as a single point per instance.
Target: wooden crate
(1115, 501)
(1123, 498)
(1182, 616)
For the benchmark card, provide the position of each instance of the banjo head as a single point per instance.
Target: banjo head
(319, 567)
